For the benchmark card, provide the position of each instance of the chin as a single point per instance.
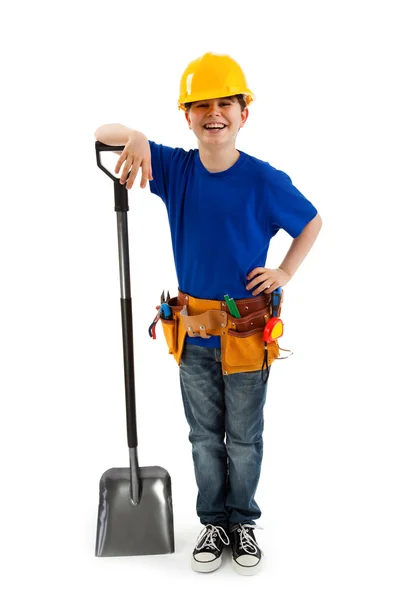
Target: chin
(215, 141)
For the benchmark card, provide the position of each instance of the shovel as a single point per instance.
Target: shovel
(135, 505)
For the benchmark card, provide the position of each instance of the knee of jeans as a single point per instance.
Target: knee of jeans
(240, 453)
(207, 441)
(240, 431)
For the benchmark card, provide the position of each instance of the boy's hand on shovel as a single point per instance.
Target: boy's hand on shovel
(135, 156)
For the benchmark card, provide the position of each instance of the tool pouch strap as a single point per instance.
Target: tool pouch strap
(210, 322)
(242, 344)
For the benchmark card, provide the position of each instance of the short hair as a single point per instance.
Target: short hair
(240, 98)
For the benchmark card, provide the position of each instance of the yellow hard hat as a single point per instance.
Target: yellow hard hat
(212, 76)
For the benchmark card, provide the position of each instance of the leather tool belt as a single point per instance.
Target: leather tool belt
(242, 344)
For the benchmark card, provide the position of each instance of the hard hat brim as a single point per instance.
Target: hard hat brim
(211, 94)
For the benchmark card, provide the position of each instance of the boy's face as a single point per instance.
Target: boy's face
(216, 121)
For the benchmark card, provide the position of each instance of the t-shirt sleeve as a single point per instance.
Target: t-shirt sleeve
(161, 157)
(289, 209)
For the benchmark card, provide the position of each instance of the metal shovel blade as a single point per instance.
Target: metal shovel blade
(125, 529)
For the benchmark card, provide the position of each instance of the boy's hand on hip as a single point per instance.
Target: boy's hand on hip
(266, 280)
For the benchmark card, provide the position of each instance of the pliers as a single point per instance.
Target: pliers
(163, 312)
(166, 312)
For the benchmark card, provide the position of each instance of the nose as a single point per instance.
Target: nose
(214, 107)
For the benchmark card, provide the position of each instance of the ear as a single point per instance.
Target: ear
(188, 120)
(243, 117)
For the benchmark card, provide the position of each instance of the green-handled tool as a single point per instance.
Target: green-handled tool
(231, 304)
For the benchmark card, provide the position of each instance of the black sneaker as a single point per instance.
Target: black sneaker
(207, 555)
(246, 553)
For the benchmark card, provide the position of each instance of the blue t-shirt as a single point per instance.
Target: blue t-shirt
(222, 223)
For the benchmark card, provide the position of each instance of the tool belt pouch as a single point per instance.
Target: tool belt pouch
(243, 345)
(173, 331)
(206, 323)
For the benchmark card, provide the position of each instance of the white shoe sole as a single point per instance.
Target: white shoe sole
(253, 570)
(206, 567)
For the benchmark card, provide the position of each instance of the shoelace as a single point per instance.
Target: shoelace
(210, 534)
(246, 542)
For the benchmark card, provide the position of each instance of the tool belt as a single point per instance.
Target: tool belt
(242, 344)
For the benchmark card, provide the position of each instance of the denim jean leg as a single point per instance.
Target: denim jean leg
(245, 396)
(203, 399)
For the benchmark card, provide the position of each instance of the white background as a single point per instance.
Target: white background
(325, 75)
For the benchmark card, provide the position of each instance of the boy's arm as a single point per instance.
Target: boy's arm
(266, 280)
(114, 134)
(301, 246)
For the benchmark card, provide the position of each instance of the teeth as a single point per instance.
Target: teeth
(214, 126)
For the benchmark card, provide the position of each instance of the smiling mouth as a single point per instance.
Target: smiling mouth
(214, 127)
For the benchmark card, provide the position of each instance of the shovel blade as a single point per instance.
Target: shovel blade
(124, 529)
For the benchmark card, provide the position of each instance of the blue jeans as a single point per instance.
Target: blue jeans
(225, 416)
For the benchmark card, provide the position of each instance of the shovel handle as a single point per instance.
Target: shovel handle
(121, 207)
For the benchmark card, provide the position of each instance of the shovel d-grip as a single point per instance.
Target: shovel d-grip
(120, 191)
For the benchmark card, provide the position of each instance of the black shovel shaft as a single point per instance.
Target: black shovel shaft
(129, 369)
(121, 207)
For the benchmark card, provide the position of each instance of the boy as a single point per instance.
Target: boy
(223, 206)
